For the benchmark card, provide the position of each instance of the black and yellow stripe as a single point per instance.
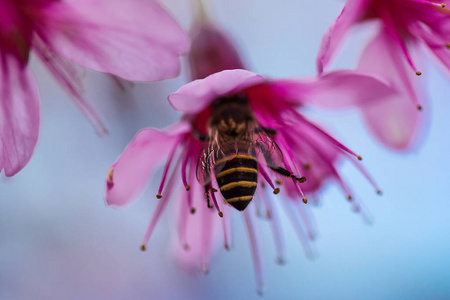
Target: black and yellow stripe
(237, 179)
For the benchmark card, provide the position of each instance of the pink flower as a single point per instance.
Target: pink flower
(403, 26)
(285, 145)
(135, 40)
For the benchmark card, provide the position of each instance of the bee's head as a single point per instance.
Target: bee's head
(231, 114)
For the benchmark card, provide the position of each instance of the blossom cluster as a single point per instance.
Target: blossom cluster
(241, 134)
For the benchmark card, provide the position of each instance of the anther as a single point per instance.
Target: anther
(349, 197)
(159, 196)
(276, 191)
(110, 175)
(279, 182)
(186, 247)
(307, 167)
(192, 211)
(419, 107)
(359, 157)
(220, 214)
(143, 247)
(379, 192)
(213, 190)
(443, 5)
(305, 200)
(447, 45)
(188, 187)
(418, 73)
(280, 261)
(227, 247)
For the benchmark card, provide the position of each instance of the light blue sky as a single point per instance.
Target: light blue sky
(59, 241)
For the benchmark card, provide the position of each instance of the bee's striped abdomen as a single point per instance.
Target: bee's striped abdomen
(238, 179)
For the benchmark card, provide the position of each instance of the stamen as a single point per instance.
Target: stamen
(304, 237)
(213, 197)
(365, 174)
(326, 135)
(110, 175)
(226, 231)
(268, 180)
(184, 166)
(426, 2)
(308, 223)
(166, 169)
(182, 224)
(255, 245)
(159, 208)
(110, 179)
(189, 195)
(67, 76)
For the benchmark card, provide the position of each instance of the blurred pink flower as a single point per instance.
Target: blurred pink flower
(306, 150)
(404, 25)
(135, 40)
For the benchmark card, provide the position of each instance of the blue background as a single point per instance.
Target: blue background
(58, 240)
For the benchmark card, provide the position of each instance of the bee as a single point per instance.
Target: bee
(234, 148)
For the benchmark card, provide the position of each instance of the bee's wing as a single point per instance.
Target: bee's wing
(265, 147)
(214, 154)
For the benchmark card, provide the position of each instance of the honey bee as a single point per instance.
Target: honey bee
(233, 148)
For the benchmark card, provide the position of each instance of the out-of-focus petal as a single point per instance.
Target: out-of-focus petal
(136, 40)
(394, 121)
(437, 44)
(132, 171)
(352, 12)
(19, 115)
(201, 230)
(212, 51)
(336, 89)
(196, 95)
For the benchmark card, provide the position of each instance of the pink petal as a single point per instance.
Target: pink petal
(19, 115)
(135, 40)
(212, 51)
(351, 13)
(335, 89)
(201, 231)
(436, 43)
(132, 171)
(196, 95)
(394, 121)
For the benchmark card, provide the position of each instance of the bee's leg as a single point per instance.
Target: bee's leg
(270, 131)
(208, 200)
(284, 172)
(199, 136)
